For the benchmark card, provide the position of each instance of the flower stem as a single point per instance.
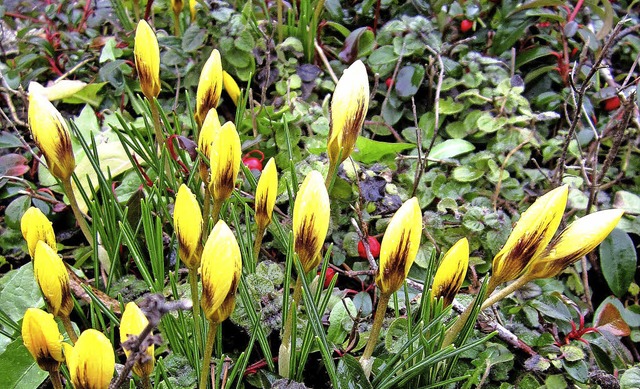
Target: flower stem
(73, 202)
(284, 355)
(215, 211)
(208, 350)
(517, 284)
(156, 123)
(54, 375)
(176, 24)
(381, 309)
(66, 322)
(331, 176)
(145, 382)
(193, 282)
(257, 243)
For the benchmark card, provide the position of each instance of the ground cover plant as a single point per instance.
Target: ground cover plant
(318, 194)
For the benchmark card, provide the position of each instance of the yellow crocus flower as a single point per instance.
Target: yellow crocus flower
(311, 213)
(192, 9)
(147, 56)
(451, 272)
(266, 194)
(208, 132)
(576, 241)
(133, 322)
(349, 106)
(231, 86)
(53, 280)
(42, 338)
(36, 227)
(221, 269)
(51, 134)
(224, 161)
(91, 361)
(209, 86)
(187, 222)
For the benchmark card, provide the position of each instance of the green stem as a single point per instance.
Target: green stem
(284, 356)
(73, 202)
(193, 282)
(136, 9)
(381, 309)
(515, 285)
(331, 176)
(318, 11)
(215, 211)
(145, 382)
(66, 322)
(280, 21)
(156, 124)
(54, 375)
(176, 24)
(257, 243)
(208, 350)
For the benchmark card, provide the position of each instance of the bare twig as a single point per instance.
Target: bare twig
(325, 61)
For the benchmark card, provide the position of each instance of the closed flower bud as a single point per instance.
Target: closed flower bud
(221, 269)
(231, 86)
(36, 227)
(311, 213)
(349, 106)
(53, 279)
(192, 9)
(91, 361)
(530, 236)
(51, 134)
(177, 6)
(187, 222)
(451, 272)
(576, 241)
(399, 246)
(147, 56)
(208, 132)
(133, 322)
(209, 86)
(224, 161)
(266, 193)
(42, 338)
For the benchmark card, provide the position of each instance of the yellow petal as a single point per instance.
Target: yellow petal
(231, 86)
(147, 56)
(53, 279)
(530, 236)
(133, 322)
(91, 362)
(177, 6)
(221, 269)
(208, 132)
(209, 86)
(310, 220)
(399, 246)
(225, 162)
(187, 222)
(42, 338)
(266, 194)
(192, 9)
(349, 106)
(451, 272)
(576, 241)
(36, 227)
(51, 134)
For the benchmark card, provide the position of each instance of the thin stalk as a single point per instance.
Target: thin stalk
(215, 211)
(284, 355)
(257, 243)
(517, 284)
(136, 9)
(280, 21)
(176, 24)
(206, 208)
(331, 176)
(54, 375)
(453, 331)
(318, 11)
(381, 309)
(145, 382)
(156, 124)
(208, 350)
(66, 322)
(73, 202)
(193, 282)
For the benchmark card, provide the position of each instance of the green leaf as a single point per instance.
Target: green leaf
(530, 55)
(14, 211)
(19, 292)
(618, 261)
(88, 95)
(350, 374)
(370, 151)
(630, 379)
(19, 369)
(409, 80)
(383, 60)
(9, 141)
(467, 174)
(193, 38)
(450, 107)
(628, 201)
(451, 148)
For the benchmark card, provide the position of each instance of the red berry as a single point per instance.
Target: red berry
(612, 103)
(374, 247)
(328, 276)
(252, 163)
(466, 25)
(389, 82)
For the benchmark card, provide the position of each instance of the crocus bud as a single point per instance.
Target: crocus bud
(192, 9)
(576, 241)
(176, 6)
(209, 86)
(231, 86)
(349, 106)
(42, 338)
(399, 247)
(266, 193)
(208, 132)
(310, 220)
(221, 269)
(53, 280)
(451, 272)
(224, 161)
(91, 361)
(133, 322)
(36, 227)
(187, 222)
(147, 56)
(530, 236)
(51, 134)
